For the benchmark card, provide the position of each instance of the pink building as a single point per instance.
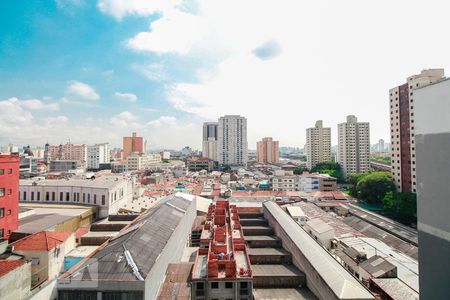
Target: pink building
(267, 151)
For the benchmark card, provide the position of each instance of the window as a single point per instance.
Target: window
(67, 196)
(95, 199)
(2, 171)
(38, 196)
(53, 196)
(9, 211)
(228, 285)
(47, 196)
(1, 233)
(24, 195)
(214, 285)
(2, 212)
(200, 286)
(34, 261)
(61, 196)
(2, 192)
(32, 196)
(244, 285)
(103, 199)
(9, 171)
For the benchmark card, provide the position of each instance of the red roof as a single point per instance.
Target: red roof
(7, 266)
(41, 241)
(81, 231)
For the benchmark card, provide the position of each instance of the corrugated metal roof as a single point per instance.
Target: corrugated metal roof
(150, 232)
(336, 277)
(295, 211)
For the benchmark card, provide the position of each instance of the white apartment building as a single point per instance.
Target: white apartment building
(209, 143)
(232, 146)
(137, 161)
(318, 144)
(109, 193)
(284, 181)
(98, 154)
(354, 146)
(403, 148)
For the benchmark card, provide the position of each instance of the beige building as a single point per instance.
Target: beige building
(401, 101)
(46, 251)
(267, 151)
(15, 279)
(137, 161)
(66, 152)
(318, 144)
(284, 181)
(354, 146)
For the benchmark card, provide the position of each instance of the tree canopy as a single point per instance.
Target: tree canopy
(329, 167)
(374, 186)
(401, 206)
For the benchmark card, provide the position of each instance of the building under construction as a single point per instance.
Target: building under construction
(222, 268)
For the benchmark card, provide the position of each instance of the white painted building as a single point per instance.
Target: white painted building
(318, 144)
(232, 145)
(354, 146)
(284, 181)
(98, 154)
(320, 231)
(109, 193)
(137, 161)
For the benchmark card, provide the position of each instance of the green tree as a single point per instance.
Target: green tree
(331, 168)
(299, 170)
(401, 206)
(374, 186)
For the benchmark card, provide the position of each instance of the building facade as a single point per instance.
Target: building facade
(267, 151)
(98, 154)
(316, 182)
(196, 164)
(403, 154)
(9, 195)
(432, 139)
(232, 146)
(354, 146)
(132, 144)
(137, 161)
(64, 165)
(209, 143)
(109, 193)
(318, 144)
(284, 181)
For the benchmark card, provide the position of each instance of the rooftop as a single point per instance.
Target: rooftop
(7, 266)
(41, 241)
(105, 182)
(150, 231)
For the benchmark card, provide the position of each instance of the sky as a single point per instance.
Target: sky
(94, 71)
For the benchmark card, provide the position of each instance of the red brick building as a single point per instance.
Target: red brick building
(9, 194)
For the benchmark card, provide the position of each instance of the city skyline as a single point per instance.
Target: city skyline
(92, 71)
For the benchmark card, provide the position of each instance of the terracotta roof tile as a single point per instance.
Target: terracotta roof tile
(7, 266)
(41, 241)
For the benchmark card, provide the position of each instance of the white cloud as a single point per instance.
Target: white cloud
(326, 61)
(160, 37)
(121, 8)
(163, 121)
(126, 97)
(35, 104)
(80, 90)
(155, 71)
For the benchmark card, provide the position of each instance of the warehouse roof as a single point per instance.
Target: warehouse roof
(122, 258)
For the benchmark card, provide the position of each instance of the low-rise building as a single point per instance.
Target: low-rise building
(196, 164)
(137, 161)
(316, 182)
(320, 231)
(15, 279)
(284, 181)
(46, 251)
(109, 193)
(65, 165)
(297, 214)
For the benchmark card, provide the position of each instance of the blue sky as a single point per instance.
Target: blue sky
(93, 71)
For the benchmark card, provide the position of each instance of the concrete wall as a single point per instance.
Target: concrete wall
(16, 284)
(172, 253)
(47, 291)
(432, 114)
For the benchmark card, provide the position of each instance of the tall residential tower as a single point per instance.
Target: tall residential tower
(353, 146)
(318, 144)
(403, 153)
(267, 151)
(232, 147)
(209, 144)
(131, 144)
